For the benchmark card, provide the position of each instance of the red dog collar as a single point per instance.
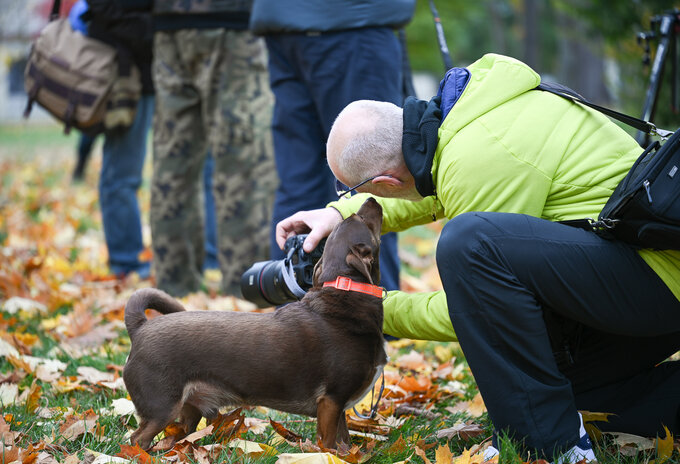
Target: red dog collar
(347, 284)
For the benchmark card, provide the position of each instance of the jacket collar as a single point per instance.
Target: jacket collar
(419, 142)
(421, 127)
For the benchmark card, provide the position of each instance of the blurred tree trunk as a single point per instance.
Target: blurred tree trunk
(531, 42)
(581, 59)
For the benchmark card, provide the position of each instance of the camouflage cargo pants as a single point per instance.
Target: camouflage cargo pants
(212, 94)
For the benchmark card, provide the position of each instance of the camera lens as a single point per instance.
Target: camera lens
(263, 284)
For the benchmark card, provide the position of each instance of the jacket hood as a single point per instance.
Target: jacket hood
(494, 79)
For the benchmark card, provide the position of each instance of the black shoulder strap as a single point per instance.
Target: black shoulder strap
(56, 6)
(639, 124)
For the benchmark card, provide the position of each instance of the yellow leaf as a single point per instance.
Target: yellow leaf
(443, 455)
(664, 447)
(251, 448)
(463, 458)
(477, 406)
(589, 416)
(443, 353)
(309, 458)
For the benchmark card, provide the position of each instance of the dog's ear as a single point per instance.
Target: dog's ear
(371, 213)
(361, 258)
(318, 268)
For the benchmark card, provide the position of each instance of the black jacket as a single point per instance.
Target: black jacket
(125, 25)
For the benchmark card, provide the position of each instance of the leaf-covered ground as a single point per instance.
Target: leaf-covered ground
(63, 344)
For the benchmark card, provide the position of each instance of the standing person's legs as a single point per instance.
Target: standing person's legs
(502, 273)
(119, 182)
(361, 64)
(244, 177)
(210, 261)
(179, 151)
(305, 181)
(85, 143)
(314, 78)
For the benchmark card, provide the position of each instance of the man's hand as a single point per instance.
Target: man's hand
(318, 223)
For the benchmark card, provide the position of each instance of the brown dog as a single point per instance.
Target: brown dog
(318, 356)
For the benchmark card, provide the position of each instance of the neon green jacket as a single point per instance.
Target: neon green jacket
(505, 147)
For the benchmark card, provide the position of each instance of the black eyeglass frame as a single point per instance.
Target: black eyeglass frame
(341, 190)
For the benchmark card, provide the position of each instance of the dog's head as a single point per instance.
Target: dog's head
(353, 247)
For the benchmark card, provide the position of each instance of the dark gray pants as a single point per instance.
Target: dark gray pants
(553, 319)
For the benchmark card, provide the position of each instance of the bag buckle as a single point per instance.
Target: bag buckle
(662, 133)
(605, 223)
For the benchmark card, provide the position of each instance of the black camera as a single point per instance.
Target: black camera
(277, 282)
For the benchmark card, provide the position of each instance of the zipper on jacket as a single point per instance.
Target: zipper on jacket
(645, 184)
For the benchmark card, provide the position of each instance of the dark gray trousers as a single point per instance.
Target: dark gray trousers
(553, 319)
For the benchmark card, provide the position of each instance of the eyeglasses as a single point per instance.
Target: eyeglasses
(341, 190)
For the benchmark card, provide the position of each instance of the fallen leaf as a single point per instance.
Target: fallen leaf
(285, 433)
(251, 448)
(664, 447)
(309, 458)
(443, 455)
(77, 425)
(134, 453)
(477, 406)
(123, 407)
(419, 451)
(462, 431)
(94, 376)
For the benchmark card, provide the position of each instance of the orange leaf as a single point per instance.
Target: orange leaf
(285, 433)
(229, 426)
(135, 453)
(33, 400)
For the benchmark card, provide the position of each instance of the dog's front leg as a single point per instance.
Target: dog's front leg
(328, 415)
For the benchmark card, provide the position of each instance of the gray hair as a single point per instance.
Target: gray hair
(375, 145)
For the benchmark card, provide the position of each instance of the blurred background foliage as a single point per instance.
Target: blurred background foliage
(589, 45)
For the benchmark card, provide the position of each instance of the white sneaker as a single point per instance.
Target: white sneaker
(583, 450)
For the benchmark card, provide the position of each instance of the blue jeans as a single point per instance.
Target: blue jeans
(313, 78)
(119, 182)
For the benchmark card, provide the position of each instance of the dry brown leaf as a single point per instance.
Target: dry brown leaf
(77, 425)
(462, 431)
(421, 453)
(285, 433)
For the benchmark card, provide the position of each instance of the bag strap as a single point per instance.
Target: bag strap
(56, 6)
(639, 124)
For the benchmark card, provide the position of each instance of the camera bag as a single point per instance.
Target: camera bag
(644, 209)
(83, 82)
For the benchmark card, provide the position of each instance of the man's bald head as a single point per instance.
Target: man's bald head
(365, 141)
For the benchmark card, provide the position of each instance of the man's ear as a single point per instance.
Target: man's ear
(371, 213)
(360, 258)
(389, 180)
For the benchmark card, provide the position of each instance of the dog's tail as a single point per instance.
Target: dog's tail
(148, 298)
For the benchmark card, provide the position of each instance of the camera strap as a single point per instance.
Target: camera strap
(289, 278)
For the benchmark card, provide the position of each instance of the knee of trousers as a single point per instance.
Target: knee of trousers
(461, 239)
